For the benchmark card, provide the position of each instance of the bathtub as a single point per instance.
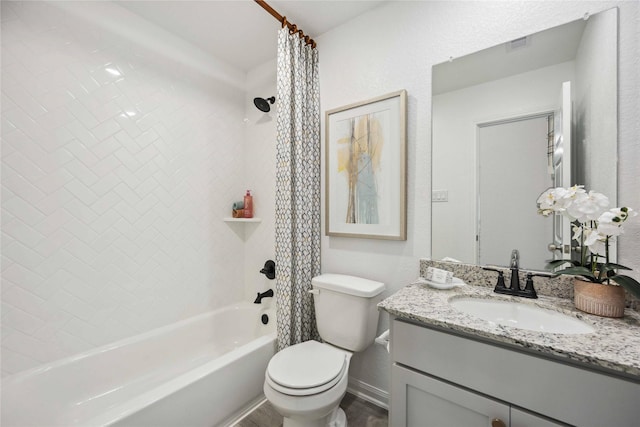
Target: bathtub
(202, 371)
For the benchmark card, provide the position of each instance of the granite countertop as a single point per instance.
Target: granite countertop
(614, 346)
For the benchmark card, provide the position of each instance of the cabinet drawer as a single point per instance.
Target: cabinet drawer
(424, 401)
(566, 393)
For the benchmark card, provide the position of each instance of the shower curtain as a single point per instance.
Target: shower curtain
(297, 188)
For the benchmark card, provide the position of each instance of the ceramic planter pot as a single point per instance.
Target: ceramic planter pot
(599, 299)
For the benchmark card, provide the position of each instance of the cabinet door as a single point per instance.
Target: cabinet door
(526, 419)
(419, 400)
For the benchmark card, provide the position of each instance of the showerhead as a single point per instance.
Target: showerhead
(263, 104)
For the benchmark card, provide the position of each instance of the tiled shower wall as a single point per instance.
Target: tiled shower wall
(118, 164)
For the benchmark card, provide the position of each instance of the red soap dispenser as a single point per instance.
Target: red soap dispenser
(248, 205)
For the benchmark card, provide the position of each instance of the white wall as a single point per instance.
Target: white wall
(113, 186)
(394, 47)
(456, 115)
(596, 79)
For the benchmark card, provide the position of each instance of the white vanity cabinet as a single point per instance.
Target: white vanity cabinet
(432, 402)
(445, 379)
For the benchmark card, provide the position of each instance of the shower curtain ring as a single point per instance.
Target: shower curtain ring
(284, 21)
(293, 29)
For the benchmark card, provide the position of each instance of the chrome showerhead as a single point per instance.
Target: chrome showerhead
(263, 104)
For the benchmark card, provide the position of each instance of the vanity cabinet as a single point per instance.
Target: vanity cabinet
(441, 378)
(432, 402)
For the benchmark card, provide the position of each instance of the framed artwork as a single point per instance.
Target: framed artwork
(365, 173)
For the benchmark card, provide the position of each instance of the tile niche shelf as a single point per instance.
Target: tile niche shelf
(245, 220)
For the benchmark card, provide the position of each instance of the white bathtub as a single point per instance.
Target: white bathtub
(202, 371)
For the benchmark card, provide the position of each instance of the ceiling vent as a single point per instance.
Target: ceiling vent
(517, 43)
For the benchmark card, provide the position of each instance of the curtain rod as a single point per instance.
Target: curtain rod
(293, 28)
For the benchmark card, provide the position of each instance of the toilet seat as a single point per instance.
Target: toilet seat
(306, 368)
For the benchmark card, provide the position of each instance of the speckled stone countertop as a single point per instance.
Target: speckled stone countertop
(614, 346)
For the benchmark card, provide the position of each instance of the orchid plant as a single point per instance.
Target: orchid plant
(595, 227)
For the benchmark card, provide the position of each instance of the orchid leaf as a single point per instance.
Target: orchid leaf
(579, 271)
(556, 263)
(616, 266)
(630, 284)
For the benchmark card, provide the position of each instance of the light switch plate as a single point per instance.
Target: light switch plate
(440, 195)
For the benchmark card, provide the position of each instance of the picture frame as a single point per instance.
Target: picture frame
(365, 169)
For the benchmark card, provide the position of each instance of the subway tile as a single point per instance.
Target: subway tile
(23, 277)
(53, 263)
(52, 284)
(106, 129)
(25, 345)
(28, 304)
(127, 123)
(83, 330)
(54, 180)
(72, 305)
(55, 118)
(53, 242)
(70, 343)
(55, 201)
(81, 191)
(17, 184)
(53, 222)
(80, 230)
(14, 90)
(108, 236)
(23, 210)
(83, 114)
(108, 188)
(23, 233)
(81, 211)
(82, 173)
(24, 166)
(82, 153)
(12, 361)
(126, 141)
(56, 98)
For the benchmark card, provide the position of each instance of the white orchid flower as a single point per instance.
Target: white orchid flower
(587, 206)
(552, 200)
(610, 222)
(594, 241)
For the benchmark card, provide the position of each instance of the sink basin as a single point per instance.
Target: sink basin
(522, 316)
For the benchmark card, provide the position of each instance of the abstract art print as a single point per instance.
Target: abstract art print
(366, 169)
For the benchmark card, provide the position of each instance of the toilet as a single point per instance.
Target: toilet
(306, 382)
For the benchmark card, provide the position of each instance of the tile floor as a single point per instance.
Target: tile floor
(360, 413)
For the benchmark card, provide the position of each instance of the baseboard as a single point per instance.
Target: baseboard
(244, 412)
(368, 392)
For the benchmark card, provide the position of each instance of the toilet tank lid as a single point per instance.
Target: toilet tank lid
(348, 284)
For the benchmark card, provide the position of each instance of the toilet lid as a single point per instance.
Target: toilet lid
(306, 365)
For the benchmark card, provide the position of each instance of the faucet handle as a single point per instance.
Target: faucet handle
(529, 291)
(269, 269)
(500, 286)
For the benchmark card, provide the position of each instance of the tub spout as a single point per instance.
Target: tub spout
(266, 294)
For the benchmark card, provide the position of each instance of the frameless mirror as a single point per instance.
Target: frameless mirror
(513, 120)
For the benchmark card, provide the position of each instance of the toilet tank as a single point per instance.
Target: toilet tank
(346, 312)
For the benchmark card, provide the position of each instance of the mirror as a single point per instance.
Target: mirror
(499, 140)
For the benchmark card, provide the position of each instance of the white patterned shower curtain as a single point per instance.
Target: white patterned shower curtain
(297, 188)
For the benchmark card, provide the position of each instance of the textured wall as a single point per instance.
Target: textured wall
(118, 164)
(394, 47)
